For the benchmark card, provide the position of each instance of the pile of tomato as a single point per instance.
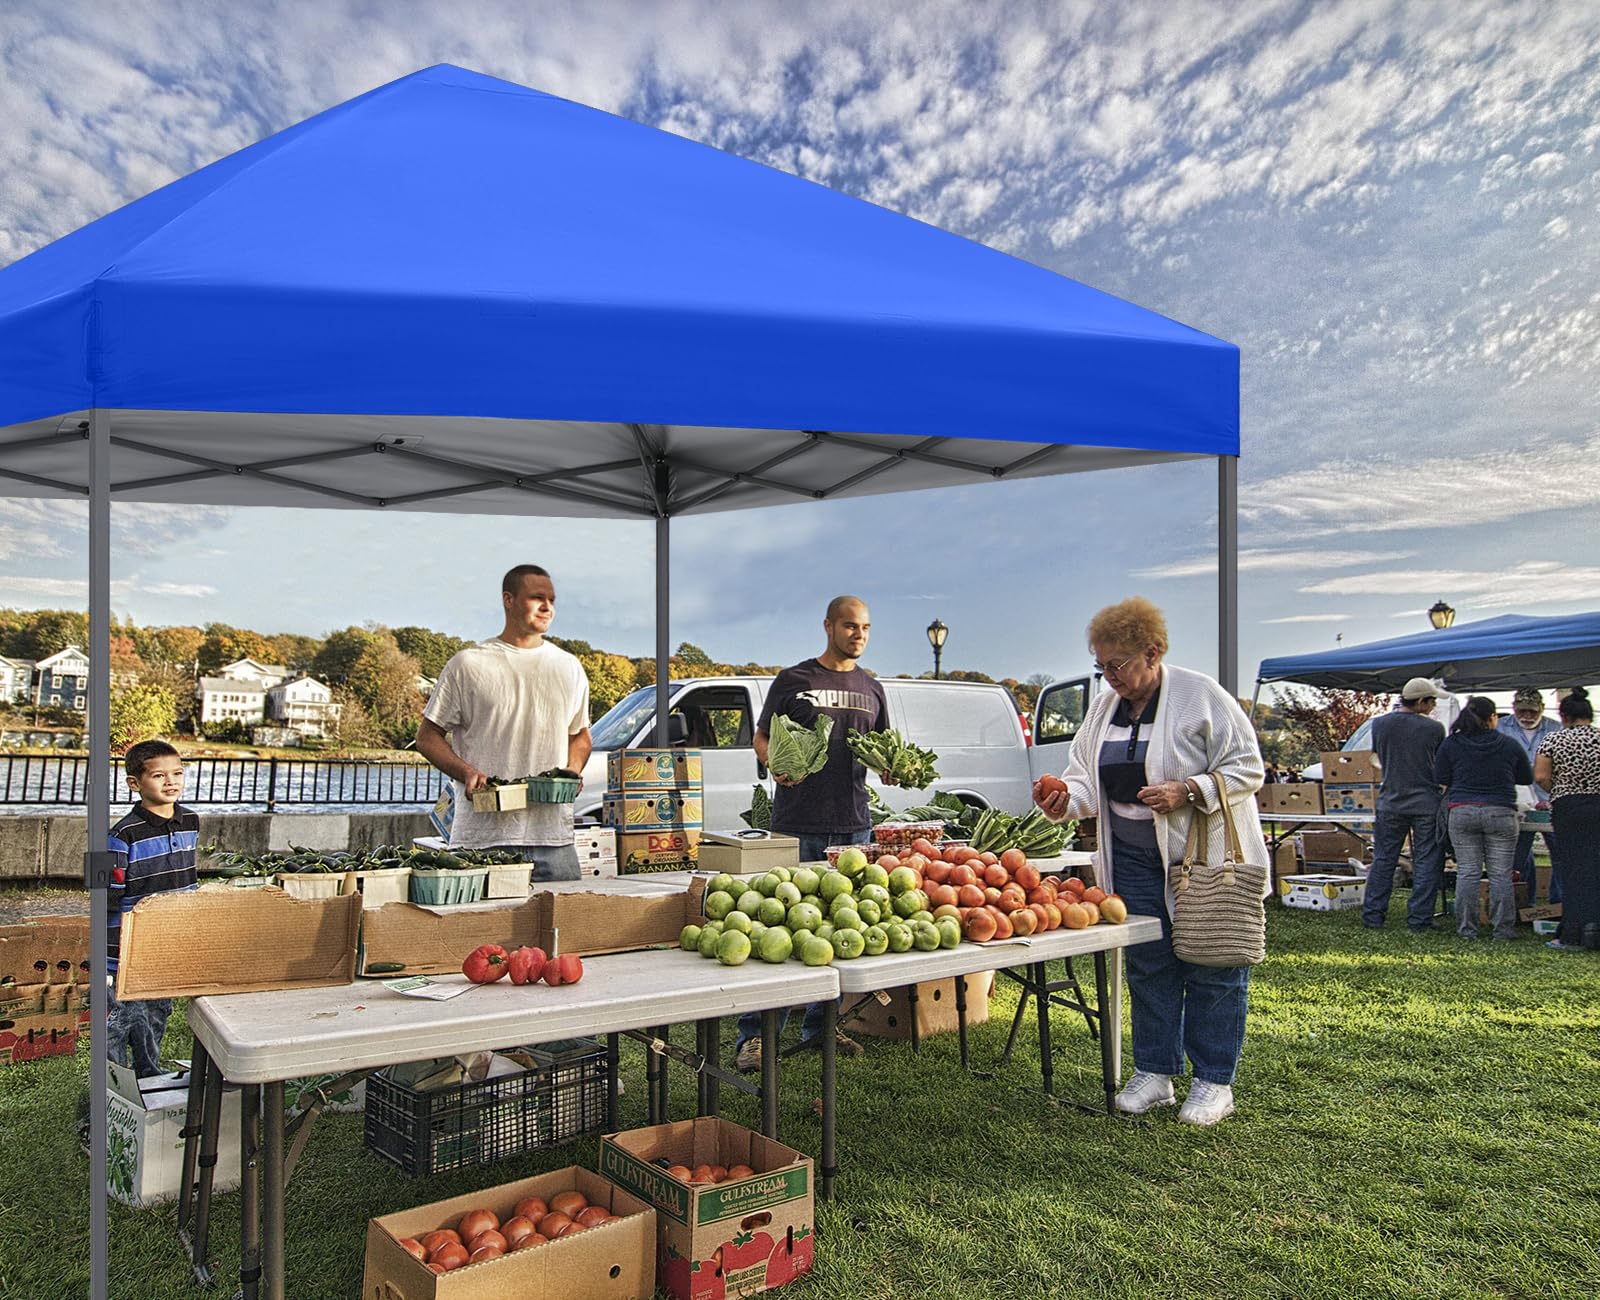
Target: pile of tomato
(479, 1234)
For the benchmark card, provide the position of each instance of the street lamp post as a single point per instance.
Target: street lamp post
(1441, 615)
(937, 632)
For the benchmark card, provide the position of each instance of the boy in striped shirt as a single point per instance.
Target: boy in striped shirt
(155, 850)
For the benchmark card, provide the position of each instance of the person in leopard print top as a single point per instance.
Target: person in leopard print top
(1568, 765)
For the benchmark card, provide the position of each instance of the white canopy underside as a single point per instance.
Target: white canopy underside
(507, 467)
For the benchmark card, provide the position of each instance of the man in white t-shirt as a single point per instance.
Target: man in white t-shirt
(514, 705)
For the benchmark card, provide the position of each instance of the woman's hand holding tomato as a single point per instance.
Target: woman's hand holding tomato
(1051, 796)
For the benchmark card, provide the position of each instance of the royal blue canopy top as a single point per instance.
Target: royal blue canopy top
(451, 246)
(1495, 654)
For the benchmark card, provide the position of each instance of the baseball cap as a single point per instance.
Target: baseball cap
(1527, 698)
(1419, 688)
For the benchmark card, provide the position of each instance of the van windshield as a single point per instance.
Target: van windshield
(623, 719)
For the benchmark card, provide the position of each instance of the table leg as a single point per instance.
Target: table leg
(961, 1016)
(771, 1028)
(250, 1191)
(613, 1082)
(210, 1134)
(1110, 1033)
(700, 1080)
(713, 1054)
(1041, 983)
(830, 1052)
(655, 1086)
(272, 1187)
(1111, 1013)
(1016, 1022)
(911, 1011)
(191, 1132)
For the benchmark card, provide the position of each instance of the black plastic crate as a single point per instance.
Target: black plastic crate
(471, 1124)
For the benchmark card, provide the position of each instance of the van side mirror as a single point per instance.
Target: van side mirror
(677, 729)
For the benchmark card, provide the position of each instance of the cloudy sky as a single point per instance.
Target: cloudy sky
(1392, 208)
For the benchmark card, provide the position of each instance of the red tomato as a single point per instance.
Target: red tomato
(1011, 859)
(443, 1237)
(981, 925)
(569, 1203)
(527, 964)
(1047, 785)
(1027, 875)
(532, 1239)
(415, 1247)
(490, 1237)
(1024, 921)
(939, 872)
(553, 1225)
(486, 964)
(565, 969)
(996, 875)
(450, 1255)
(485, 1251)
(515, 1229)
(532, 1208)
(962, 874)
(475, 1221)
(591, 1215)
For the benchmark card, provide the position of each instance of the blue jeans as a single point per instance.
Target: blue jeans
(550, 861)
(1525, 869)
(135, 1029)
(1427, 866)
(1178, 1007)
(1485, 839)
(813, 848)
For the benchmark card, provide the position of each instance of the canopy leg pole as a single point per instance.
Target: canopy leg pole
(1255, 700)
(663, 627)
(98, 827)
(1228, 573)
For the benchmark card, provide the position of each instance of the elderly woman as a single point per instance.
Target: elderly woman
(1568, 765)
(1145, 762)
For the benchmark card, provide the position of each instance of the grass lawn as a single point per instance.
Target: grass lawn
(1418, 1117)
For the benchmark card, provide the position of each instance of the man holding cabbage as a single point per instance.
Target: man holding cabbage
(821, 796)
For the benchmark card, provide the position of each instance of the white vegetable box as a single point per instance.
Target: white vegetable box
(1322, 893)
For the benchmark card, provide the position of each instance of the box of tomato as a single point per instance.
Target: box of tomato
(736, 1211)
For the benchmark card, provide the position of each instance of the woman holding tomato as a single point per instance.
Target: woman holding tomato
(1146, 760)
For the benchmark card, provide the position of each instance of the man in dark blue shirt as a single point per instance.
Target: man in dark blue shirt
(1406, 741)
(154, 847)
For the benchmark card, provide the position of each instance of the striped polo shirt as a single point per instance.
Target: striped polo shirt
(155, 855)
(1122, 774)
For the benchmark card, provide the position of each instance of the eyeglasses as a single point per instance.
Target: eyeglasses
(1113, 669)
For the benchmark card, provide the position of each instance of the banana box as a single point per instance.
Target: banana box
(654, 810)
(652, 769)
(1322, 893)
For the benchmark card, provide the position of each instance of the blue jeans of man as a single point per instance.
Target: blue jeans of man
(1178, 1008)
(813, 848)
(1485, 839)
(1427, 866)
(135, 1029)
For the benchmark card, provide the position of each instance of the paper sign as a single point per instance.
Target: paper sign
(420, 986)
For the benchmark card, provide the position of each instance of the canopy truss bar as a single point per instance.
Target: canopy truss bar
(45, 440)
(38, 480)
(749, 475)
(255, 467)
(888, 462)
(538, 483)
(465, 489)
(919, 452)
(223, 468)
(744, 476)
(1032, 458)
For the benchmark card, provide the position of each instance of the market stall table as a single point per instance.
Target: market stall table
(259, 1040)
(1035, 952)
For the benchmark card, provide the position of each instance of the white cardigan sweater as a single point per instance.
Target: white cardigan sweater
(1199, 729)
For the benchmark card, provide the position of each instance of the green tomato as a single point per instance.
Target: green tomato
(825, 931)
(844, 902)
(869, 912)
(757, 929)
(709, 939)
(910, 903)
(902, 879)
(772, 911)
(804, 916)
(817, 952)
(834, 884)
(852, 862)
(717, 904)
(749, 902)
(847, 918)
(783, 875)
(775, 946)
(899, 937)
(764, 884)
(925, 938)
(875, 875)
(814, 898)
(722, 883)
(787, 892)
(806, 879)
(689, 939)
(797, 939)
(733, 948)
(736, 921)
(949, 931)
(877, 940)
(877, 893)
(849, 944)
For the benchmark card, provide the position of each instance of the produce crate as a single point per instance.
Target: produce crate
(500, 798)
(385, 885)
(894, 838)
(311, 884)
(443, 885)
(473, 1124)
(553, 789)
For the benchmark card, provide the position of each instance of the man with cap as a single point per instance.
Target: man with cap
(1406, 741)
(1528, 726)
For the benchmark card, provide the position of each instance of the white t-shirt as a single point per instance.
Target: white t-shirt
(510, 712)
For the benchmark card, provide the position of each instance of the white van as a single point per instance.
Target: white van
(985, 754)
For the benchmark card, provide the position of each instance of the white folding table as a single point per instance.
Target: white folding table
(259, 1040)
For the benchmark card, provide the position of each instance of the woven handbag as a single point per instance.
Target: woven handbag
(1219, 917)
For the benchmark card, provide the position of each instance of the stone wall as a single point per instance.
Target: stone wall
(51, 847)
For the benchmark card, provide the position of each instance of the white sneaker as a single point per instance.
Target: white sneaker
(1145, 1091)
(1206, 1104)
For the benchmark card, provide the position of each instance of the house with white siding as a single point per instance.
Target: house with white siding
(230, 699)
(252, 670)
(303, 704)
(16, 679)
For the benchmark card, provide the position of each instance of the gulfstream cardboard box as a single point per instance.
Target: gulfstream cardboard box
(735, 1238)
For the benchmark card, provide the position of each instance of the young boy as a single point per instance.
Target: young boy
(155, 848)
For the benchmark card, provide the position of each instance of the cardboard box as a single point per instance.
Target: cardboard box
(594, 842)
(1299, 798)
(1322, 893)
(1519, 899)
(616, 1261)
(1540, 912)
(30, 1036)
(500, 798)
(652, 769)
(652, 810)
(1349, 798)
(425, 940)
(1351, 767)
(52, 950)
(1286, 861)
(734, 1238)
(747, 853)
(676, 849)
(144, 1127)
(936, 1009)
(237, 941)
(1333, 846)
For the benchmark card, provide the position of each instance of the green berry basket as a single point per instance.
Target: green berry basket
(442, 886)
(552, 789)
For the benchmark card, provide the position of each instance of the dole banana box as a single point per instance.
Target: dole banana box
(652, 769)
(651, 810)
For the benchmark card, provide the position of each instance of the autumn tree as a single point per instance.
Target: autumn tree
(292, 650)
(431, 650)
(340, 652)
(141, 712)
(610, 678)
(170, 647)
(1323, 718)
(39, 633)
(226, 645)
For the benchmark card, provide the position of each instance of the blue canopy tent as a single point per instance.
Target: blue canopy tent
(458, 293)
(1494, 654)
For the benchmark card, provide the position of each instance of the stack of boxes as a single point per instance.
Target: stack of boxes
(1350, 781)
(655, 802)
(597, 851)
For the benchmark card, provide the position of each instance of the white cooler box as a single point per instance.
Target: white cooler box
(1322, 893)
